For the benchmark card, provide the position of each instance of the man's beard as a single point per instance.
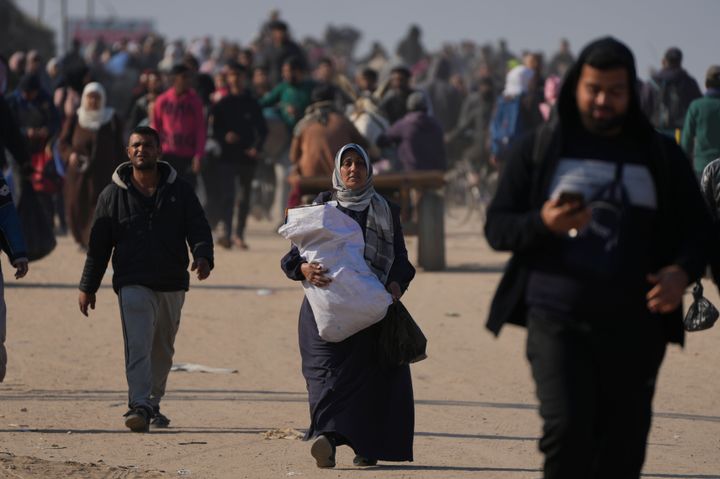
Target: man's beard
(146, 165)
(604, 125)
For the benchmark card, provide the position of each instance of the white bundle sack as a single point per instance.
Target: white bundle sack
(355, 299)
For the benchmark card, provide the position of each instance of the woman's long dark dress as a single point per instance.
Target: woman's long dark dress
(368, 406)
(105, 150)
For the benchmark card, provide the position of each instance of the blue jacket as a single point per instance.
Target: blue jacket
(11, 237)
(35, 113)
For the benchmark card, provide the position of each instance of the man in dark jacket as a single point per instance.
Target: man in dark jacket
(701, 133)
(239, 128)
(473, 126)
(607, 228)
(12, 138)
(282, 49)
(146, 218)
(418, 136)
(672, 91)
(394, 101)
(39, 121)
(446, 100)
(13, 244)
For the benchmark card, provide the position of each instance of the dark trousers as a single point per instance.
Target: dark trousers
(595, 379)
(183, 166)
(47, 203)
(232, 175)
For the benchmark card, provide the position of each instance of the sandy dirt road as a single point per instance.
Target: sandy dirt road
(62, 403)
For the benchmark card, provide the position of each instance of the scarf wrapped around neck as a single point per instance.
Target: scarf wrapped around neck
(379, 248)
(318, 112)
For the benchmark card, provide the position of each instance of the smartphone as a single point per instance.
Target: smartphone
(572, 197)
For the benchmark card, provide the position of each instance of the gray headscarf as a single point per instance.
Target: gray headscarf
(379, 248)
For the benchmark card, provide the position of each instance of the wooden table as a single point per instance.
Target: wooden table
(430, 227)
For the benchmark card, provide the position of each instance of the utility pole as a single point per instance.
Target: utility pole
(64, 25)
(41, 10)
(90, 11)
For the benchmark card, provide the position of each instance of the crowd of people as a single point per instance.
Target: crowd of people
(473, 101)
(262, 114)
(597, 202)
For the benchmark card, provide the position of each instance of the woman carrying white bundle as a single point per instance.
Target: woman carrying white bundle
(355, 400)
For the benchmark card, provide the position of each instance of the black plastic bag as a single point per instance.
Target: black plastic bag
(401, 340)
(702, 314)
(36, 228)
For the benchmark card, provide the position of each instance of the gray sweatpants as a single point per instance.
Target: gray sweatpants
(3, 319)
(150, 321)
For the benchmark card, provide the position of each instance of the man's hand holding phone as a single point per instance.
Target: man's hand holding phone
(566, 214)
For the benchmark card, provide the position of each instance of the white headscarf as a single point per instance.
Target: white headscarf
(94, 119)
(517, 81)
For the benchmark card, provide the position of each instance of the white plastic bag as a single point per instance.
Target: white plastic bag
(355, 299)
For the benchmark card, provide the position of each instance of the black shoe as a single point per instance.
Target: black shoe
(136, 419)
(360, 461)
(159, 421)
(323, 450)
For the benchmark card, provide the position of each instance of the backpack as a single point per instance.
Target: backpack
(506, 124)
(667, 112)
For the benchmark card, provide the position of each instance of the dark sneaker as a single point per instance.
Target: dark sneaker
(224, 242)
(159, 421)
(136, 419)
(323, 450)
(360, 461)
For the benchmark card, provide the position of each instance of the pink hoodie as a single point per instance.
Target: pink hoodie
(180, 121)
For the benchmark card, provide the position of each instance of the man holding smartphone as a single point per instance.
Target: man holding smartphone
(607, 228)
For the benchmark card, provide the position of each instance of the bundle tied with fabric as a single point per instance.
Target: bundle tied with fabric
(355, 299)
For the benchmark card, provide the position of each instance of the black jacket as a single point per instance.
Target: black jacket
(149, 246)
(687, 90)
(242, 115)
(514, 222)
(710, 187)
(12, 138)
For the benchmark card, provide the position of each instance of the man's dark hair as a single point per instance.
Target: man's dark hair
(29, 83)
(279, 25)
(322, 92)
(486, 81)
(712, 77)
(673, 57)
(146, 131)
(237, 68)
(401, 70)
(190, 61)
(179, 69)
(607, 57)
(327, 61)
(248, 53)
(295, 63)
(370, 75)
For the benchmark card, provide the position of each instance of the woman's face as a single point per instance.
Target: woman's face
(92, 101)
(353, 170)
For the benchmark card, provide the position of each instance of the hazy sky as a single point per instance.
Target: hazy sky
(648, 26)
